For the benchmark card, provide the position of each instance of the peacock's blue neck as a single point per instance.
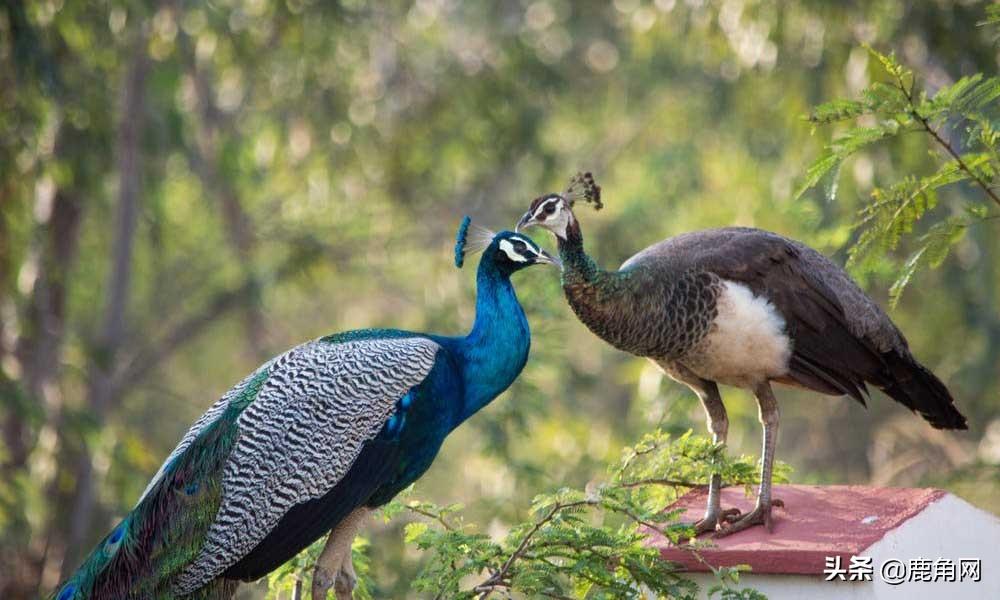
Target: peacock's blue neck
(495, 351)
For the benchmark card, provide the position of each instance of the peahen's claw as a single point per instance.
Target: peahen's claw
(710, 524)
(760, 515)
(729, 515)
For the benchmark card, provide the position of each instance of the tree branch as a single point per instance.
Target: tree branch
(944, 143)
(437, 517)
(100, 391)
(497, 579)
(662, 481)
(147, 359)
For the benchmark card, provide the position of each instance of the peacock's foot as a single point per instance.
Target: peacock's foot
(715, 522)
(760, 515)
(344, 586)
(322, 581)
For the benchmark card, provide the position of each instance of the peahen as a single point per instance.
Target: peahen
(741, 307)
(311, 442)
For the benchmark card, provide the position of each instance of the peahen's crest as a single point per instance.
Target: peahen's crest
(470, 239)
(583, 187)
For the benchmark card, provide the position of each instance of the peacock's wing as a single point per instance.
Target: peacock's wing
(307, 425)
(283, 436)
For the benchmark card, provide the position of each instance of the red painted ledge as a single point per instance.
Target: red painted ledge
(816, 522)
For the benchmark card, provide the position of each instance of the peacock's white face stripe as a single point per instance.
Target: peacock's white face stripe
(508, 248)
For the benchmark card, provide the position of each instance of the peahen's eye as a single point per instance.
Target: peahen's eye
(549, 208)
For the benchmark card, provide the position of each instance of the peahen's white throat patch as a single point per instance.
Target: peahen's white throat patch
(747, 343)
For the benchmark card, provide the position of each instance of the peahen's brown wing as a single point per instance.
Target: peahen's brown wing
(841, 338)
(839, 335)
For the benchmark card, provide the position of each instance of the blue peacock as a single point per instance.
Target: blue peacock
(309, 443)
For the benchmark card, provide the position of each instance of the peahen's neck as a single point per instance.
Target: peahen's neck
(578, 267)
(599, 298)
(495, 351)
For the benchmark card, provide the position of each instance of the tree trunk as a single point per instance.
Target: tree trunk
(38, 353)
(204, 161)
(100, 388)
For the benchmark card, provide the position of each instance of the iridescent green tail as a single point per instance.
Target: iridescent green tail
(140, 558)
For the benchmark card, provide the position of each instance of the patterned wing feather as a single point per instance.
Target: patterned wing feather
(841, 338)
(209, 416)
(301, 434)
(810, 285)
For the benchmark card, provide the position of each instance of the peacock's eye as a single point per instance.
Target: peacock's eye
(549, 208)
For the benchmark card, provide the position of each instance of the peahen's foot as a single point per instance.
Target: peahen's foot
(716, 522)
(760, 515)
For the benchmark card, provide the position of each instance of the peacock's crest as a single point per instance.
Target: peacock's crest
(460, 238)
(465, 243)
(583, 187)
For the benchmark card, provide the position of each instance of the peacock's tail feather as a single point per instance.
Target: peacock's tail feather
(166, 529)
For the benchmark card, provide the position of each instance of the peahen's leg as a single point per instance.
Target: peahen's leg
(718, 426)
(761, 514)
(334, 565)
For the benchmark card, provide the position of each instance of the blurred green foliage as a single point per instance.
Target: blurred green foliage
(971, 103)
(297, 167)
(589, 543)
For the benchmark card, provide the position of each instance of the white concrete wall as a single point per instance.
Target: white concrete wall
(949, 528)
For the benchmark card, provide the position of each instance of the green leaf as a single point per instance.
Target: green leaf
(992, 15)
(824, 164)
(890, 64)
(413, 531)
(936, 244)
(837, 110)
(966, 97)
(909, 268)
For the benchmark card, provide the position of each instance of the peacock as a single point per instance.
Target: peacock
(310, 442)
(742, 307)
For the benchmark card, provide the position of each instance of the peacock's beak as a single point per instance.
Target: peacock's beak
(545, 257)
(524, 222)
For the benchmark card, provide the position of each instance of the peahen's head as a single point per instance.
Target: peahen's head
(507, 251)
(555, 211)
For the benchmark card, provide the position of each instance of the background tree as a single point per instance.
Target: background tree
(186, 187)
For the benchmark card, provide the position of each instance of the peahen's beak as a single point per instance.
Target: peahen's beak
(524, 222)
(545, 257)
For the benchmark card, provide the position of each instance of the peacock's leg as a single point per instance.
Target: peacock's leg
(718, 426)
(768, 414)
(346, 579)
(336, 558)
(219, 588)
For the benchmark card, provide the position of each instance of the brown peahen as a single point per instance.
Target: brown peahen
(741, 307)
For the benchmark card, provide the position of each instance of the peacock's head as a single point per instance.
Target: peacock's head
(555, 211)
(507, 250)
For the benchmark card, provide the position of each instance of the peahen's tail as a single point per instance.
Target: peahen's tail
(914, 386)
